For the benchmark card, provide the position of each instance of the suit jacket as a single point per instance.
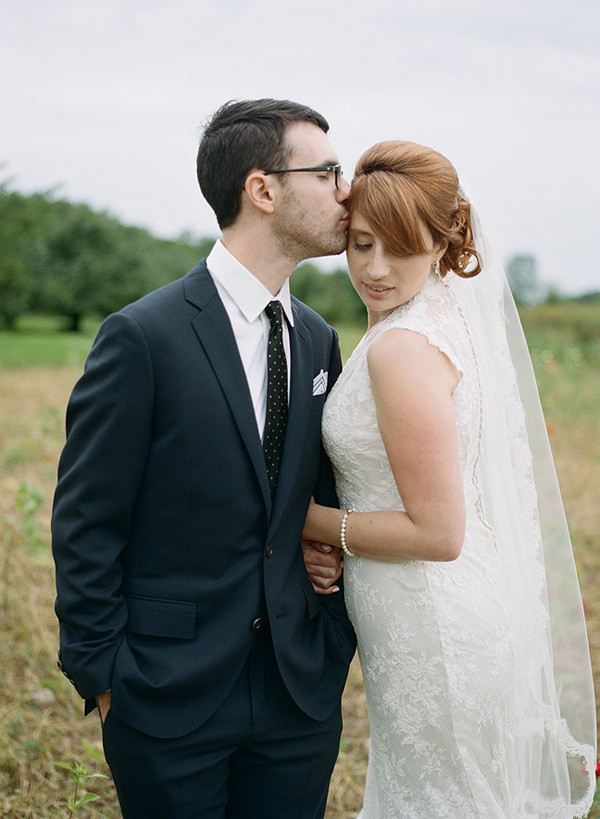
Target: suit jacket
(166, 543)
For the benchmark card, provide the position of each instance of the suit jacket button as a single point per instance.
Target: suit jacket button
(256, 624)
(269, 550)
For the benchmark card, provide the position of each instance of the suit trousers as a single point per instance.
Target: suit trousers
(257, 757)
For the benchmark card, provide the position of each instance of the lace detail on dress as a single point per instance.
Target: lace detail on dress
(443, 647)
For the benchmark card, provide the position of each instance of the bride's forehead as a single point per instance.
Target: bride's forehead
(400, 232)
(359, 224)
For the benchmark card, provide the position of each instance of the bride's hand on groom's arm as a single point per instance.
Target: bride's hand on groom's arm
(323, 565)
(323, 562)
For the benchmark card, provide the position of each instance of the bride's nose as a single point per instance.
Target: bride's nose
(378, 267)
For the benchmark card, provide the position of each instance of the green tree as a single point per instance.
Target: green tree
(330, 294)
(93, 265)
(61, 257)
(22, 220)
(167, 259)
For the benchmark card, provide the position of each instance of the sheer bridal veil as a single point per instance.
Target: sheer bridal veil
(553, 697)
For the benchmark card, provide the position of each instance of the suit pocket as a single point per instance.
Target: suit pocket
(161, 618)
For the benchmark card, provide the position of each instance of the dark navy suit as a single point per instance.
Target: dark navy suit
(168, 549)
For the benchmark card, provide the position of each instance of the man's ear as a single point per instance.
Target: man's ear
(259, 190)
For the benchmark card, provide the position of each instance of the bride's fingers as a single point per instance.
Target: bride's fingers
(316, 561)
(327, 590)
(323, 584)
(321, 547)
(323, 567)
(319, 554)
(315, 545)
(324, 576)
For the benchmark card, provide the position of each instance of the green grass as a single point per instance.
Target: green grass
(41, 341)
(39, 363)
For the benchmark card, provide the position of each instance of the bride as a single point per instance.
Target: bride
(458, 571)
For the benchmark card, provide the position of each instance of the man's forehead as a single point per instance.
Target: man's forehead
(308, 141)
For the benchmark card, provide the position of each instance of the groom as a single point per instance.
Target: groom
(193, 448)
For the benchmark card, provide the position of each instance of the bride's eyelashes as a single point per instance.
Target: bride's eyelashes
(362, 248)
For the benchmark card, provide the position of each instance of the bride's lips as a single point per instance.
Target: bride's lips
(377, 291)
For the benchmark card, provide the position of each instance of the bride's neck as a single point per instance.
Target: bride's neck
(375, 317)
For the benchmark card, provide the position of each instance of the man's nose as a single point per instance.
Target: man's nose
(342, 193)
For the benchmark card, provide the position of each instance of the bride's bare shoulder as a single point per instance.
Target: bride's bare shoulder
(407, 356)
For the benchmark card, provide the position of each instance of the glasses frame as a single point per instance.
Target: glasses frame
(336, 169)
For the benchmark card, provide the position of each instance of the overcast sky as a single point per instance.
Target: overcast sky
(103, 100)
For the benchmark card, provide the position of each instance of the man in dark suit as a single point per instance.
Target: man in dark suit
(193, 448)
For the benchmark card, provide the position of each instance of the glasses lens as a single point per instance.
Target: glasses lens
(337, 175)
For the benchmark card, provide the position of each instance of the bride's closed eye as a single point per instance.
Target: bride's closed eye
(361, 247)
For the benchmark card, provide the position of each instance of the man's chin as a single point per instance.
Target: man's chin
(335, 248)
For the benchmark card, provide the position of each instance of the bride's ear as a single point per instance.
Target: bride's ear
(441, 249)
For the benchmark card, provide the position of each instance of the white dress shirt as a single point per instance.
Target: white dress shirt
(245, 299)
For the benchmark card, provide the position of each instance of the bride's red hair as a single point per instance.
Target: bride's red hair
(400, 186)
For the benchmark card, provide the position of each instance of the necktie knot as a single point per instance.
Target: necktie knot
(274, 313)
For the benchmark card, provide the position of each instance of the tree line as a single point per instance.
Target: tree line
(67, 259)
(64, 258)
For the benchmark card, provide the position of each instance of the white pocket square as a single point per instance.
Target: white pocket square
(320, 383)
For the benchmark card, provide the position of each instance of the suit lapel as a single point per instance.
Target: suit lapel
(299, 412)
(213, 328)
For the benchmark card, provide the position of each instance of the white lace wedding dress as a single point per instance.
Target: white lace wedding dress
(444, 647)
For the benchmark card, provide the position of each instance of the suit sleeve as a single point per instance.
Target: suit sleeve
(109, 421)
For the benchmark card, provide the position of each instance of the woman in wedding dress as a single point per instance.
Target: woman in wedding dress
(458, 571)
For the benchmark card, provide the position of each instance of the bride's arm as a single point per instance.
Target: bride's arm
(412, 384)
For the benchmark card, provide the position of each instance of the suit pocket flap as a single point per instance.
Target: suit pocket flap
(161, 618)
(312, 600)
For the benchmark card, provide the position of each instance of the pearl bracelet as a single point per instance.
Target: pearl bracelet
(345, 549)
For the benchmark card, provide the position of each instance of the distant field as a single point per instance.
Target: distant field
(41, 341)
(40, 716)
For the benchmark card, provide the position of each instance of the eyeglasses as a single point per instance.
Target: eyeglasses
(336, 170)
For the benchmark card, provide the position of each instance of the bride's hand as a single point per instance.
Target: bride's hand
(323, 565)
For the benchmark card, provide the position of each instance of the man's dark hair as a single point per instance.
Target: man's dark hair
(241, 136)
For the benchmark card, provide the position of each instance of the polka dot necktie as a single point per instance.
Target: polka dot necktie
(277, 394)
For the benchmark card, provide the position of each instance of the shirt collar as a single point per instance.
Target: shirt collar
(246, 291)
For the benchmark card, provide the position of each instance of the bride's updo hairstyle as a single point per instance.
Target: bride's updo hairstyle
(400, 186)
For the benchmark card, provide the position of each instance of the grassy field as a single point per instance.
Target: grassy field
(40, 715)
